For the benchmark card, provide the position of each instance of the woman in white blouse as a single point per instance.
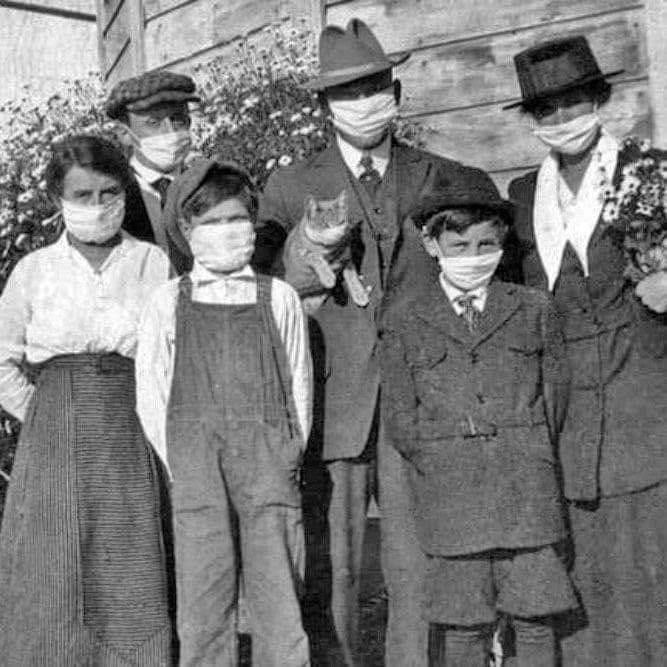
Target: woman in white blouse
(82, 563)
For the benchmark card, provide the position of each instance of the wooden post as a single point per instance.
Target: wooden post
(656, 44)
(137, 25)
(101, 47)
(318, 13)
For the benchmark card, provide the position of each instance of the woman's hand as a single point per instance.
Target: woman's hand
(652, 290)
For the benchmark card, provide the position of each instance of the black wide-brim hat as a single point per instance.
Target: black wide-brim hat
(350, 54)
(474, 190)
(554, 67)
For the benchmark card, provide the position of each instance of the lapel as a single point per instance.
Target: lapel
(436, 311)
(502, 302)
(154, 211)
(412, 170)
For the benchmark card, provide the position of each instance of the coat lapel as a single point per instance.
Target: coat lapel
(435, 310)
(502, 302)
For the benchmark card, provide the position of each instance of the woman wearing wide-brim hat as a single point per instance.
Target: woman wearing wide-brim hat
(612, 447)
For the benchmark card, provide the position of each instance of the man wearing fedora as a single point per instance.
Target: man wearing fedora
(612, 446)
(383, 179)
(154, 119)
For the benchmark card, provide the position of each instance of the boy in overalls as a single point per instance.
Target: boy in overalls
(224, 394)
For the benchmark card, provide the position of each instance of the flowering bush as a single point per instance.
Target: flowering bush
(253, 111)
(637, 209)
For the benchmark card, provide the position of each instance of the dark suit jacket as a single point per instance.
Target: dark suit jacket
(138, 223)
(345, 335)
(478, 416)
(613, 440)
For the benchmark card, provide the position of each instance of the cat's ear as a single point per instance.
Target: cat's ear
(310, 206)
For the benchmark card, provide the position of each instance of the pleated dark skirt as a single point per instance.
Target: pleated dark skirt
(82, 566)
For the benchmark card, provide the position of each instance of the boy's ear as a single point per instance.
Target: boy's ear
(123, 135)
(430, 244)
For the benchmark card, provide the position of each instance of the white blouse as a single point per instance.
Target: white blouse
(55, 303)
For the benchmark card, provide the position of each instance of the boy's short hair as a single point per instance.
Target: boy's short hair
(220, 183)
(458, 219)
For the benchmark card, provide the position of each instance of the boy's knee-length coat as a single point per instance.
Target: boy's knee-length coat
(614, 438)
(344, 346)
(477, 416)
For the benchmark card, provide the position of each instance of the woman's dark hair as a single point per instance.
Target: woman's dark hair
(87, 151)
(222, 183)
(459, 219)
(596, 91)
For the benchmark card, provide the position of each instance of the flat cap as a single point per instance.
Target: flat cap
(142, 92)
(185, 185)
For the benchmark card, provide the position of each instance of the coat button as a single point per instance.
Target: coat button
(377, 210)
(474, 357)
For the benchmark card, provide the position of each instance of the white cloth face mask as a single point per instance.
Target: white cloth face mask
(224, 247)
(165, 151)
(94, 224)
(470, 272)
(572, 137)
(365, 119)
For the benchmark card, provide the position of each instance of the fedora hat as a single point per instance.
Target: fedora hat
(350, 54)
(555, 67)
(476, 190)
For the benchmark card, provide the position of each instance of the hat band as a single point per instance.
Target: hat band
(370, 68)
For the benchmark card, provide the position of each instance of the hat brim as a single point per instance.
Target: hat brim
(434, 205)
(528, 101)
(341, 76)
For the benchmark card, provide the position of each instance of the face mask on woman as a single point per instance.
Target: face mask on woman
(365, 119)
(94, 224)
(572, 137)
(224, 247)
(470, 272)
(165, 151)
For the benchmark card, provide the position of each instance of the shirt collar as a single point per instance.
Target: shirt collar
(201, 275)
(66, 249)
(147, 174)
(352, 155)
(479, 295)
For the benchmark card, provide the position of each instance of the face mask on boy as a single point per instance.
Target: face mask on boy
(365, 119)
(165, 151)
(224, 247)
(470, 272)
(94, 224)
(572, 137)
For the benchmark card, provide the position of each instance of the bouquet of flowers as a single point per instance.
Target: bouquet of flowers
(636, 208)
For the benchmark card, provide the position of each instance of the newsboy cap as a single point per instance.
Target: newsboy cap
(476, 190)
(142, 92)
(185, 185)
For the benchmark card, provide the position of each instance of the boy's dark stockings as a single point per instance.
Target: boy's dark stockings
(459, 646)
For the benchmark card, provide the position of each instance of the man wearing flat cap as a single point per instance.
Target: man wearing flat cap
(152, 109)
(382, 179)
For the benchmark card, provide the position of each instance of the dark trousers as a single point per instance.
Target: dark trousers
(351, 484)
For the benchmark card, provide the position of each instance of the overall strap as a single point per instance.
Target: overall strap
(264, 289)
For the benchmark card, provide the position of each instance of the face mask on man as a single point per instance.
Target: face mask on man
(365, 119)
(94, 224)
(470, 272)
(224, 247)
(165, 151)
(572, 137)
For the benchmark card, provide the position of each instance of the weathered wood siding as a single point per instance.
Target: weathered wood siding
(41, 49)
(461, 72)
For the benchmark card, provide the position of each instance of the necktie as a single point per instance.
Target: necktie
(370, 177)
(469, 313)
(162, 185)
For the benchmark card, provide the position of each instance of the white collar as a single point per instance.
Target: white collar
(147, 174)
(64, 247)
(352, 155)
(583, 212)
(453, 293)
(200, 274)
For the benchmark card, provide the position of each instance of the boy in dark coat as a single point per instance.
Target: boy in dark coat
(475, 388)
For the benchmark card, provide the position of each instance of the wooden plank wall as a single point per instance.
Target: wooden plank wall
(461, 71)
